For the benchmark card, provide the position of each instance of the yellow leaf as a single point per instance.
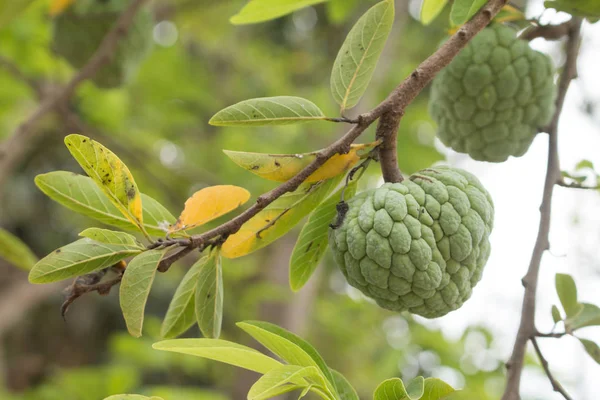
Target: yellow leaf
(210, 203)
(59, 6)
(283, 167)
(278, 218)
(110, 174)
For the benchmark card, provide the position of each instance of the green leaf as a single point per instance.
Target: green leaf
(588, 316)
(358, 56)
(556, 317)
(436, 389)
(592, 349)
(79, 258)
(181, 314)
(344, 388)
(289, 347)
(222, 351)
(567, 293)
(264, 10)
(135, 288)
(281, 110)
(313, 239)
(80, 194)
(110, 174)
(394, 389)
(132, 397)
(13, 250)
(10, 9)
(583, 164)
(463, 10)
(209, 296)
(278, 218)
(111, 237)
(431, 9)
(284, 379)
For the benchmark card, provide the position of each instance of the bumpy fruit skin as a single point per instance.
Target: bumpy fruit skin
(419, 245)
(493, 97)
(79, 31)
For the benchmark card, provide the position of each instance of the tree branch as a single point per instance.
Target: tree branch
(393, 108)
(14, 149)
(555, 384)
(548, 32)
(527, 328)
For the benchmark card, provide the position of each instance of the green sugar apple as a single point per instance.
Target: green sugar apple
(79, 31)
(419, 245)
(494, 96)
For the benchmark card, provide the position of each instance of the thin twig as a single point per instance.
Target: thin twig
(576, 185)
(555, 384)
(16, 72)
(550, 335)
(13, 150)
(530, 281)
(548, 32)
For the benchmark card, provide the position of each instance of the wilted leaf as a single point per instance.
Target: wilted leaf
(277, 219)
(463, 10)
(588, 316)
(135, 288)
(80, 194)
(358, 56)
(13, 250)
(556, 317)
(264, 10)
(283, 167)
(394, 389)
(567, 293)
(222, 351)
(284, 379)
(436, 389)
(79, 258)
(181, 314)
(281, 110)
(110, 174)
(210, 203)
(344, 388)
(59, 6)
(592, 349)
(313, 239)
(209, 296)
(431, 9)
(111, 237)
(289, 347)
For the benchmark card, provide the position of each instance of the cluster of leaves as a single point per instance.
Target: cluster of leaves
(303, 369)
(110, 193)
(575, 315)
(584, 175)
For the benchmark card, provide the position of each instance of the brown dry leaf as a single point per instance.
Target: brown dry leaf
(210, 203)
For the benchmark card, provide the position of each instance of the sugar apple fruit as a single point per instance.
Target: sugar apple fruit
(78, 32)
(419, 245)
(494, 96)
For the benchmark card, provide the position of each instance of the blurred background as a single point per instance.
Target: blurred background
(157, 124)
